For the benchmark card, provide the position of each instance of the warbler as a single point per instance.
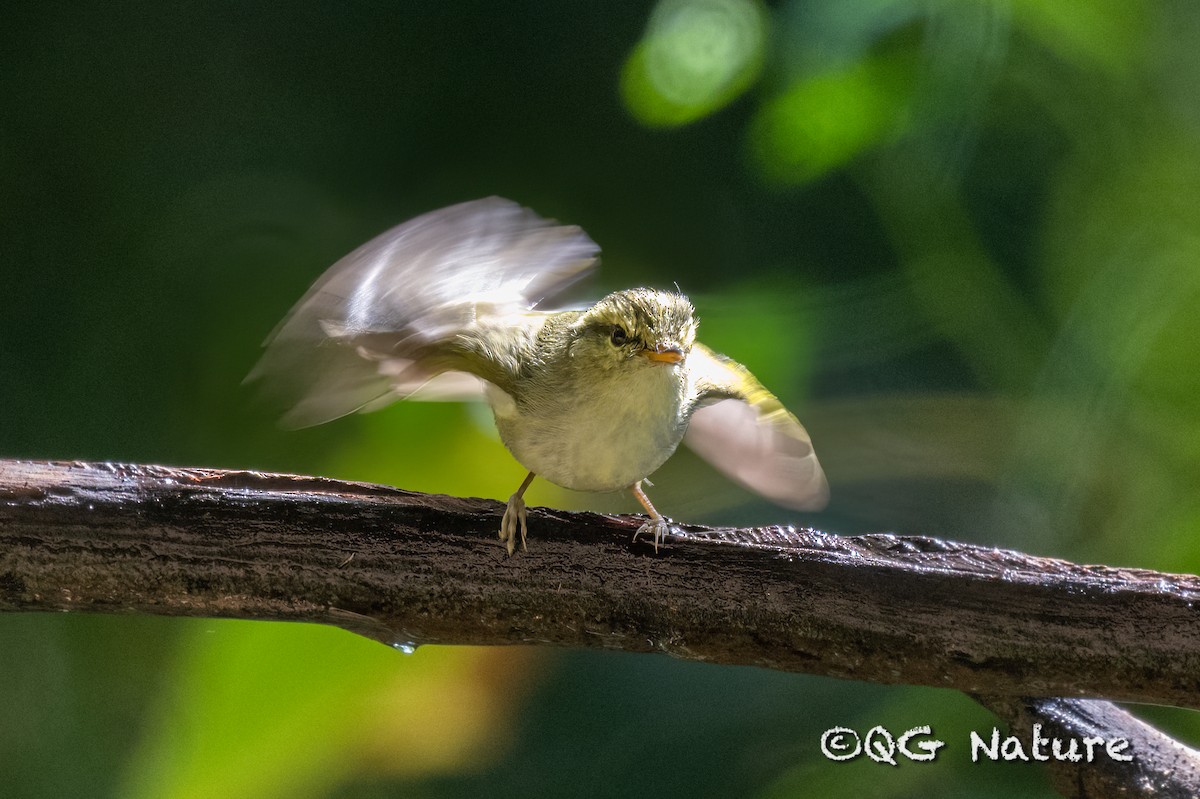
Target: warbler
(452, 305)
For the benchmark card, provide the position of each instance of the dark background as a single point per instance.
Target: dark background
(961, 240)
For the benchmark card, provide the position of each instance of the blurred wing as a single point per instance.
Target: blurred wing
(746, 433)
(368, 332)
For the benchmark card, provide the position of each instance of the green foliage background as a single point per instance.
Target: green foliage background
(961, 238)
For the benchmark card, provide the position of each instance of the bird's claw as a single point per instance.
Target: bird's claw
(514, 518)
(657, 528)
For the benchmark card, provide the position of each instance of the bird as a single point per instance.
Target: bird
(462, 303)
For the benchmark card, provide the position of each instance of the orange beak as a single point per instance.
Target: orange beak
(661, 354)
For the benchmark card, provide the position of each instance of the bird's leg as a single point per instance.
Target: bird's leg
(514, 517)
(657, 526)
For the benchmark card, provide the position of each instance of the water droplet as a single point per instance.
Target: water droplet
(407, 647)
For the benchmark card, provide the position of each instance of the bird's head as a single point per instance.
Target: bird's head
(637, 327)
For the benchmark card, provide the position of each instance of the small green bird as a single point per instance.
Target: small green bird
(596, 399)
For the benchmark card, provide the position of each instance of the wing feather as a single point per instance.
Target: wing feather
(387, 318)
(746, 433)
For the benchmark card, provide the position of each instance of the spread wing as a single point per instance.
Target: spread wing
(384, 320)
(746, 433)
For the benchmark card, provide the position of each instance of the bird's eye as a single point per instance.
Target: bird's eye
(618, 336)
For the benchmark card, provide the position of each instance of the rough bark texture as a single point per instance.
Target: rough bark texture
(414, 568)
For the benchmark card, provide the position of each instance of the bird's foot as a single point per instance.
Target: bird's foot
(657, 528)
(514, 518)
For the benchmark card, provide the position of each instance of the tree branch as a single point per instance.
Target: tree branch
(412, 568)
(1161, 768)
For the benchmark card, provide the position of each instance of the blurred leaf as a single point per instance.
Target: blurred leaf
(696, 57)
(822, 123)
(258, 711)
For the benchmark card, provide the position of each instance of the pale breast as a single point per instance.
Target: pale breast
(603, 439)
